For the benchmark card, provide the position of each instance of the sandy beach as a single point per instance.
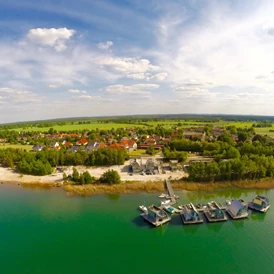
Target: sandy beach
(9, 175)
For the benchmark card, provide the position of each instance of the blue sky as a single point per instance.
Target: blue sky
(96, 58)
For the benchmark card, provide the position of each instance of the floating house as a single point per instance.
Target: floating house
(237, 209)
(214, 213)
(156, 216)
(190, 215)
(259, 203)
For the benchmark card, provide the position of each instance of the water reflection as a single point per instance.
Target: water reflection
(258, 216)
(191, 229)
(215, 226)
(161, 230)
(113, 197)
(140, 222)
(238, 224)
(176, 220)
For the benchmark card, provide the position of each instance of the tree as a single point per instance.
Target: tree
(88, 179)
(110, 177)
(151, 150)
(65, 177)
(75, 175)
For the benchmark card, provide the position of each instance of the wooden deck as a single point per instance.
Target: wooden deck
(263, 210)
(243, 216)
(214, 220)
(191, 222)
(158, 222)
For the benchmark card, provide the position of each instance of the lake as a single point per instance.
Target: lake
(44, 231)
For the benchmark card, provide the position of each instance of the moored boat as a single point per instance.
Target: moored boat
(143, 208)
(259, 203)
(170, 209)
(166, 202)
(163, 195)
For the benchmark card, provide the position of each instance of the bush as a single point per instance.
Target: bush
(110, 177)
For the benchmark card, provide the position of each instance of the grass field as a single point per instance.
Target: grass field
(7, 145)
(265, 131)
(105, 126)
(165, 123)
(138, 152)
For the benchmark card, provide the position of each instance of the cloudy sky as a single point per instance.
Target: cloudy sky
(101, 57)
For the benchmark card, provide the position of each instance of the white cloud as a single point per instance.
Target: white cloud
(137, 76)
(148, 76)
(51, 37)
(139, 89)
(76, 91)
(105, 45)
(127, 66)
(93, 98)
(159, 76)
(19, 96)
(54, 86)
(222, 44)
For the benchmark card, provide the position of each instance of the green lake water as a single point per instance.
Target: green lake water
(44, 231)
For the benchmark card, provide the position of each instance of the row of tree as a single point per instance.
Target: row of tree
(109, 177)
(41, 163)
(254, 167)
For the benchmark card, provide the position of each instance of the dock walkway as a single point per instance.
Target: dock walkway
(171, 195)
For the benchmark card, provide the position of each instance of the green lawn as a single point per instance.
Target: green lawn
(68, 127)
(265, 131)
(138, 152)
(6, 145)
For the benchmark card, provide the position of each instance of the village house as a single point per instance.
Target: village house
(129, 145)
(3, 140)
(37, 148)
(150, 165)
(67, 144)
(116, 146)
(174, 136)
(165, 141)
(194, 135)
(54, 145)
(136, 165)
(82, 142)
(150, 141)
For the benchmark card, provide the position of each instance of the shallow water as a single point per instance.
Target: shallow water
(44, 231)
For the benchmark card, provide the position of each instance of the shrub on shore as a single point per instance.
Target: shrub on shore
(110, 177)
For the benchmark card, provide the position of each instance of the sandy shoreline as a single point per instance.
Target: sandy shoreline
(130, 184)
(9, 175)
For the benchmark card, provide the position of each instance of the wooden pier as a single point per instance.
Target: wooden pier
(170, 196)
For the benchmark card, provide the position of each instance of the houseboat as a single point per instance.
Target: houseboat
(190, 215)
(259, 203)
(156, 216)
(237, 209)
(214, 213)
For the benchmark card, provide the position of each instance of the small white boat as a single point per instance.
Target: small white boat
(163, 195)
(170, 209)
(180, 207)
(143, 208)
(166, 202)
